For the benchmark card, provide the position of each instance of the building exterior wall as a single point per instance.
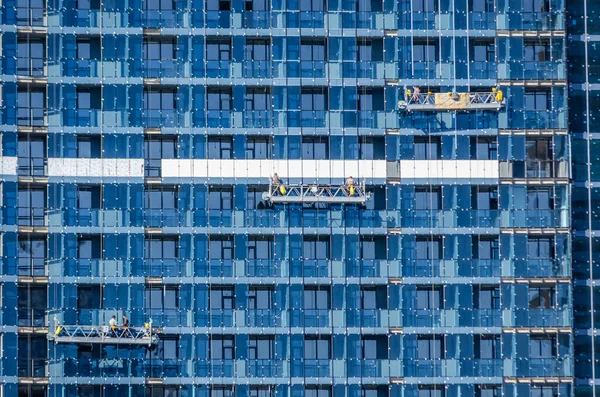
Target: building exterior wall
(583, 90)
(138, 139)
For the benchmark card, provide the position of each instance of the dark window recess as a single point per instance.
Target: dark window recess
(222, 297)
(486, 297)
(315, 147)
(218, 49)
(220, 147)
(220, 247)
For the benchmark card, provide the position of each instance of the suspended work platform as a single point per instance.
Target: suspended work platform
(103, 335)
(434, 102)
(307, 193)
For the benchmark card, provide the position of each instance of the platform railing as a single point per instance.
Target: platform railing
(492, 100)
(316, 193)
(103, 334)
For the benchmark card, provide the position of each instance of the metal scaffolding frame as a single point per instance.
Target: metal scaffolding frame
(314, 193)
(432, 102)
(103, 335)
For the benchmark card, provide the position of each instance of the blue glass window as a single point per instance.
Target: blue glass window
(254, 197)
(31, 206)
(157, 148)
(536, 6)
(431, 391)
(31, 107)
(373, 298)
(539, 149)
(484, 197)
(428, 248)
(84, 49)
(424, 51)
(218, 5)
(480, 6)
(32, 356)
(222, 347)
(258, 98)
(317, 348)
(160, 5)
(220, 147)
(219, 99)
(260, 298)
(31, 12)
(424, 5)
(430, 297)
(259, 147)
(222, 297)
(313, 49)
(161, 197)
(374, 391)
(161, 298)
(157, 391)
(430, 347)
(536, 51)
(260, 247)
(373, 247)
(262, 391)
(317, 391)
(31, 256)
(486, 297)
(261, 348)
(487, 347)
(316, 247)
(427, 148)
(88, 146)
(220, 198)
(317, 298)
(538, 100)
(257, 5)
(371, 148)
(315, 147)
(369, 50)
(32, 303)
(89, 247)
(156, 49)
(543, 391)
(32, 155)
(428, 198)
(218, 49)
(161, 248)
(484, 148)
(542, 346)
(166, 349)
(313, 99)
(257, 49)
(542, 297)
(539, 198)
(89, 296)
(220, 247)
(485, 247)
(31, 57)
(540, 248)
(488, 391)
(89, 391)
(482, 50)
(312, 5)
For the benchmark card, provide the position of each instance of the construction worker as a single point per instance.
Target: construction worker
(350, 185)
(416, 93)
(278, 185)
(112, 325)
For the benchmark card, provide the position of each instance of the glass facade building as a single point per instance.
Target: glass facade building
(584, 92)
(138, 141)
